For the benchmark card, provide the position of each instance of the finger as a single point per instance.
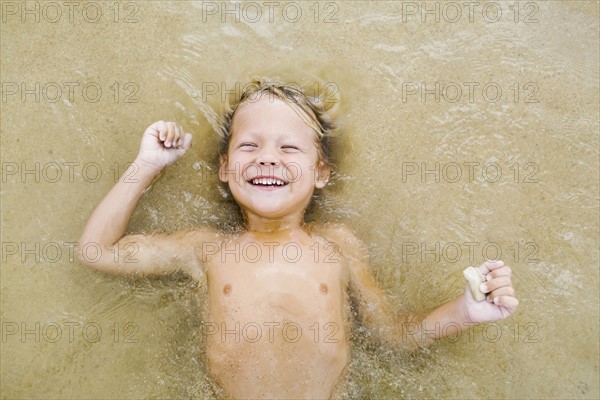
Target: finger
(495, 284)
(186, 141)
(511, 303)
(177, 135)
(502, 271)
(490, 265)
(184, 144)
(503, 291)
(160, 129)
(170, 134)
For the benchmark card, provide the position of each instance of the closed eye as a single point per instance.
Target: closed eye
(290, 148)
(247, 145)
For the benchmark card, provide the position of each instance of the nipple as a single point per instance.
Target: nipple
(227, 289)
(323, 288)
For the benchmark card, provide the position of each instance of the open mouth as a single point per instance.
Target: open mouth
(267, 182)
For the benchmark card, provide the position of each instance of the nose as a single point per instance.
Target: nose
(267, 157)
(269, 163)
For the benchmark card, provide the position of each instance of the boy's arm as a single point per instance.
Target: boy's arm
(102, 245)
(409, 331)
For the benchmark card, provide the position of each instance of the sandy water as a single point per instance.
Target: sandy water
(499, 159)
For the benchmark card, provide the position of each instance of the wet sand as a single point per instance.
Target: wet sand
(474, 136)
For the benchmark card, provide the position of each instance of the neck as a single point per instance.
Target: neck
(256, 223)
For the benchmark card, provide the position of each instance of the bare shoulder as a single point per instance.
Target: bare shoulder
(200, 242)
(178, 239)
(185, 246)
(196, 236)
(339, 233)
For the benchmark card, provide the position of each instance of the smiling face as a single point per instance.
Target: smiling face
(272, 165)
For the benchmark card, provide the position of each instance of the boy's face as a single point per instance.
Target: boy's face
(272, 164)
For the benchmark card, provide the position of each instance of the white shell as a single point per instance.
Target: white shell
(475, 279)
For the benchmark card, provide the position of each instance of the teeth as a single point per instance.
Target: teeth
(267, 181)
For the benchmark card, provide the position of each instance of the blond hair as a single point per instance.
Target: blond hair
(316, 111)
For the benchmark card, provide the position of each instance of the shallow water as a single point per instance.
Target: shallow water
(69, 332)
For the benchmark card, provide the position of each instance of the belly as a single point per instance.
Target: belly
(277, 359)
(278, 344)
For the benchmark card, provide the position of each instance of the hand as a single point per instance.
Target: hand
(500, 301)
(163, 143)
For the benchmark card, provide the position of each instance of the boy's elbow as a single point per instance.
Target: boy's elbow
(82, 257)
(405, 336)
(92, 255)
(78, 252)
(406, 344)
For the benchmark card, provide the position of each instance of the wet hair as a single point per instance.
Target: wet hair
(314, 110)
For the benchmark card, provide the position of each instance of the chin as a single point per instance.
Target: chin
(271, 212)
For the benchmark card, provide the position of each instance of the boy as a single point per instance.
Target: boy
(279, 289)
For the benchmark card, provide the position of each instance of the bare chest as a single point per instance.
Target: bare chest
(269, 280)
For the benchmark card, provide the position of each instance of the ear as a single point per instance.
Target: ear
(322, 174)
(223, 169)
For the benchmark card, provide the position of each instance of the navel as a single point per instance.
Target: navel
(323, 288)
(227, 289)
